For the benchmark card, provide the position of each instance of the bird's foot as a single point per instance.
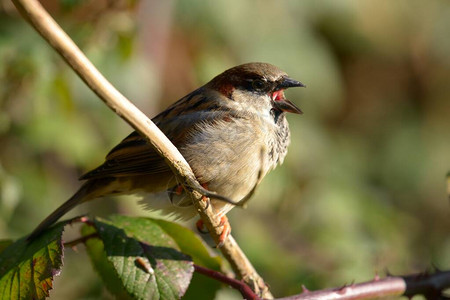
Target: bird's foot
(226, 229)
(179, 189)
(201, 227)
(204, 198)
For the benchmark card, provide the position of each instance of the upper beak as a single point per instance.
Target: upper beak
(288, 83)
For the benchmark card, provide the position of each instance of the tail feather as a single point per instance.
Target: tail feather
(80, 196)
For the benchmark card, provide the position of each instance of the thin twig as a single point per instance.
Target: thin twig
(36, 15)
(244, 289)
(80, 240)
(80, 219)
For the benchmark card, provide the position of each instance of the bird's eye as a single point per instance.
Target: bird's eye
(259, 84)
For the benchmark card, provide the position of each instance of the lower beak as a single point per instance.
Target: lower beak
(287, 106)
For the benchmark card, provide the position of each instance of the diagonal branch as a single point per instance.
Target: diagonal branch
(36, 15)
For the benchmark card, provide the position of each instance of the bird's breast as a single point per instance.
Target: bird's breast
(232, 155)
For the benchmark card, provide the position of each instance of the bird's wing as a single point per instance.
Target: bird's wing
(134, 156)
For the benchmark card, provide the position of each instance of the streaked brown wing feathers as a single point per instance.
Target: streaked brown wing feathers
(133, 156)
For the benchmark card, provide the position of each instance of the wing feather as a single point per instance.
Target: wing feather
(133, 156)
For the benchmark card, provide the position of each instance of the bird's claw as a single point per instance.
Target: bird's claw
(226, 230)
(201, 226)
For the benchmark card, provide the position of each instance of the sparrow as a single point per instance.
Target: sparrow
(232, 131)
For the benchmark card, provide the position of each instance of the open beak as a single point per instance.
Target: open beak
(280, 102)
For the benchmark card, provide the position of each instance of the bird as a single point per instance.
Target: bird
(232, 131)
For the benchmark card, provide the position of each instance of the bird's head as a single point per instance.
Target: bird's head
(257, 85)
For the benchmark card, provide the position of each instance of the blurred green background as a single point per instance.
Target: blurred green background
(363, 187)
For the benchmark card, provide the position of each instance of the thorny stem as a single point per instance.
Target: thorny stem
(429, 285)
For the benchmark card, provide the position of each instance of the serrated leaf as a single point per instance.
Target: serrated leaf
(27, 269)
(145, 257)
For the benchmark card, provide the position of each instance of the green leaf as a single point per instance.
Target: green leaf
(96, 252)
(27, 268)
(201, 287)
(190, 243)
(146, 259)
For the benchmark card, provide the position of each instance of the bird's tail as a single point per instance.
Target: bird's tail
(83, 194)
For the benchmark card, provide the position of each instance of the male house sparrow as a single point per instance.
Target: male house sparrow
(232, 131)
